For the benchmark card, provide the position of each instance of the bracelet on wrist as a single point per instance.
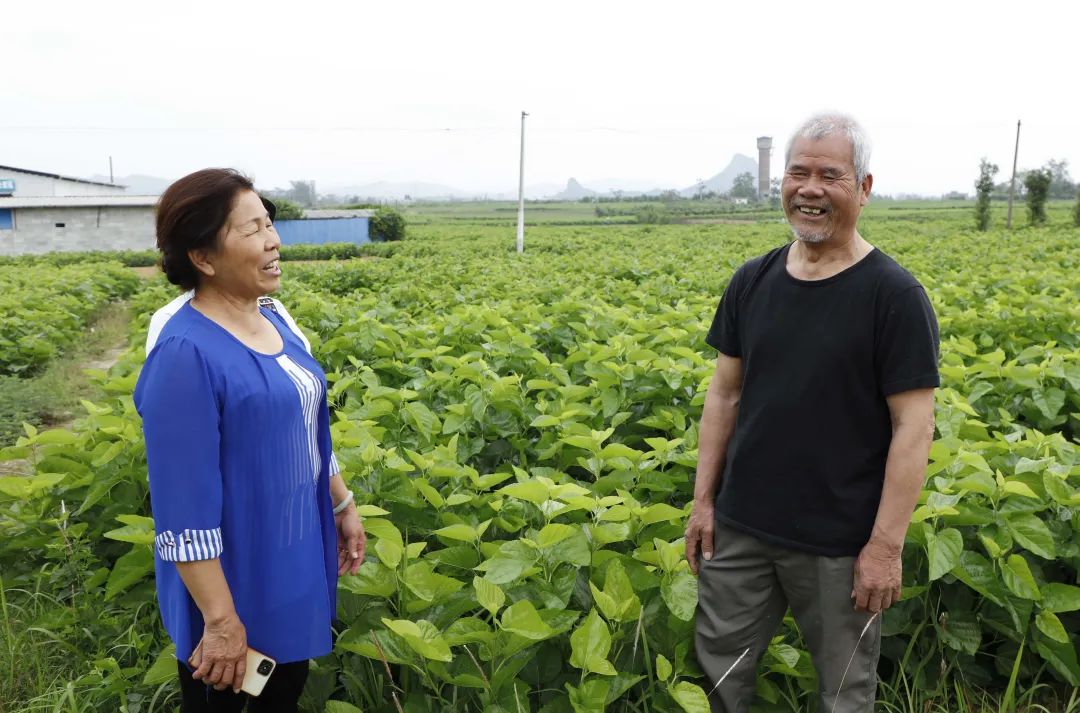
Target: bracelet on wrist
(344, 503)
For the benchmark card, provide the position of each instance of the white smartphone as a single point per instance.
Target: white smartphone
(256, 674)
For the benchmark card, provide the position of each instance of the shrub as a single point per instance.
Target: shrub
(1037, 183)
(287, 210)
(387, 224)
(983, 188)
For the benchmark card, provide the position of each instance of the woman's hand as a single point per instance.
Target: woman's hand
(220, 658)
(351, 540)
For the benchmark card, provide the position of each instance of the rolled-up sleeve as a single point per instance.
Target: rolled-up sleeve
(181, 424)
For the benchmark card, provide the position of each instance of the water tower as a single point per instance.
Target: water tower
(764, 150)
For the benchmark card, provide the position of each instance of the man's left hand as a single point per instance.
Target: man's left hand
(351, 540)
(877, 577)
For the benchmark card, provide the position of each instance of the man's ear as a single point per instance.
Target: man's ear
(202, 261)
(867, 184)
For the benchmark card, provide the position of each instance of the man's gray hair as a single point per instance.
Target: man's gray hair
(821, 125)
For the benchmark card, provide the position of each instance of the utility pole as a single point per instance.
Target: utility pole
(521, 191)
(110, 170)
(1012, 183)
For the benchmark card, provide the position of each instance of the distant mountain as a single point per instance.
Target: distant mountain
(533, 192)
(137, 184)
(574, 191)
(723, 181)
(631, 187)
(399, 189)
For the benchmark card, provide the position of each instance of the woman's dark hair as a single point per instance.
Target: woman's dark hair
(190, 215)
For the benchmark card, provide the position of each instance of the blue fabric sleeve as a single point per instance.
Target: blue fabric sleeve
(181, 423)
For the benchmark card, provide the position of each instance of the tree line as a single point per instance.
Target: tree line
(1035, 187)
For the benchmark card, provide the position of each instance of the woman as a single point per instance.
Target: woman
(252, 524)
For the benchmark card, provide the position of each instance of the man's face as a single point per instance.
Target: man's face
(821, 197)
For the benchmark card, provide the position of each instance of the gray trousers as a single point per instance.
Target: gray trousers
(744, 592)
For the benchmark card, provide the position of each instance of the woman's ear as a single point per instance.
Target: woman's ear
(202, 261)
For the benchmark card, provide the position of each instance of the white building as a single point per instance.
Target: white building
(46, 212)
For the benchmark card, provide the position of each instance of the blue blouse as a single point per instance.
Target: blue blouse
(238, 452)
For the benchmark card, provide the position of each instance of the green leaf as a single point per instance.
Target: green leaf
(961, 631)
(617, 586)
(663, 667)
(130, 569)
(460, 532)
(426, 422)
(422, 637)
(428, 585)
(553, 534)
(670, 554)
(522, 619)
(134, 534)
(1050, 625)
(1018, 578)
(164, 667)
(505, 570)
(661, 512)
(490, 595)
(589, 697)
(430, 493)
(1061, 657)
(108, 455)
(1058, 597)
(1032, 533)
(532, 491)
(370, 511)
(341, 707)
(390, 546)
(20, 487)
(590, 644)
(977, 572)
(943, 551)
(1015, 487)
(56, 436)
(1049, 401)
(690, 698)
(573, 550)
(372, 579)
(680, 593)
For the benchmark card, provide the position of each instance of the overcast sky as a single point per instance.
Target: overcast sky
(657, 93)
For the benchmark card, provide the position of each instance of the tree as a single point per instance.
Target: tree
(287, 210)
(1061, 185)
(1076, 211)
(983, 188)
(387, 224)
(744, 186)
(1037, 183)
(302, 192)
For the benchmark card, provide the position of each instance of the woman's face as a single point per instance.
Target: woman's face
(245, 262)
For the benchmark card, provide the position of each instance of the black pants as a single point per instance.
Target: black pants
(280, 695)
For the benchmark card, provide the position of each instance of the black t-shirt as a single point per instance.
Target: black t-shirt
(806, 462)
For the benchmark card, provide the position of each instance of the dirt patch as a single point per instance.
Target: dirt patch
(147, 272)
(107, 360)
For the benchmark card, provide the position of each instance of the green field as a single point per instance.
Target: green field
(521, 433)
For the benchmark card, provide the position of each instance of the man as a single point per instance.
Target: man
(814, 436)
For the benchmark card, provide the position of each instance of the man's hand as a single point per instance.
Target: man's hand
(878, 573)
(699, 534)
